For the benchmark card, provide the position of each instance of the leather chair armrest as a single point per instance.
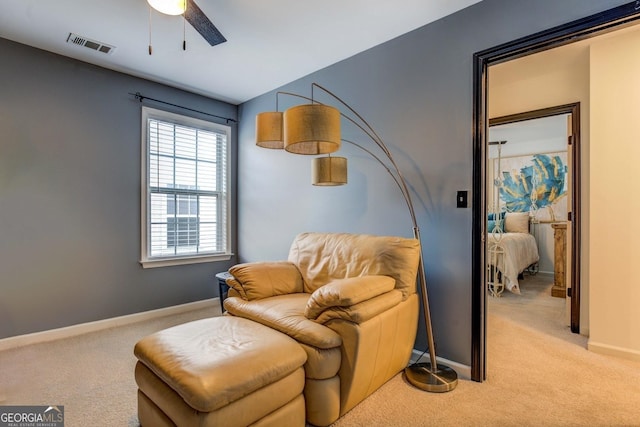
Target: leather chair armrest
(363, 311)
(347, 293)
(258, 280)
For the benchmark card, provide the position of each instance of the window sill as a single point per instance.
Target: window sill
(166, 262)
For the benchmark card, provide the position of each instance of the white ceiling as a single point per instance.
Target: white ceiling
(546, 134)
(535, 130)
(270, 42)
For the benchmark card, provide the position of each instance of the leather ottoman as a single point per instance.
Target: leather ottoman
(223, 371)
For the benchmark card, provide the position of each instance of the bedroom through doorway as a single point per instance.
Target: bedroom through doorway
(529, 199)
(587, 61)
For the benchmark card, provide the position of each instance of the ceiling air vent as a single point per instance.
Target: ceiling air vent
(91, 44)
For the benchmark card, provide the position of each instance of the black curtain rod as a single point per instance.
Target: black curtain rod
(141, 98)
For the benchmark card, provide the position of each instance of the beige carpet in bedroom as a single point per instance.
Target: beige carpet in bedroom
(539, 374)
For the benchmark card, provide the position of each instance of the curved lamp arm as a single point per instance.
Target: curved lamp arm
(371, 133)
(376, 138)
(383, 164)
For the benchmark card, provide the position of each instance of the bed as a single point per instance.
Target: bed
(509, 253)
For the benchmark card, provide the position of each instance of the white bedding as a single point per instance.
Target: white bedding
(520, 251)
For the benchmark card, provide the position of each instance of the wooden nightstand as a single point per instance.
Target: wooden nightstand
(559, 288)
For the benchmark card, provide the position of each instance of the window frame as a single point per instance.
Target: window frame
(146, 259)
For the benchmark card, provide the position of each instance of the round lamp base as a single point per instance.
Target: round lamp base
(440, 380)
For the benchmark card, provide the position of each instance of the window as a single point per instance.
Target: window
(185, 198)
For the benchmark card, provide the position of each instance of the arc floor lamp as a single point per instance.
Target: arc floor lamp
(314, 129)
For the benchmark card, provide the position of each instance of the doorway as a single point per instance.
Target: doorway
(583, 29)
(533, 172)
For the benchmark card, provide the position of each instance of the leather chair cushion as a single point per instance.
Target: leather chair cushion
(213, 362)
(157, 402)
(323, 257)
(285, 313)
(321, 363)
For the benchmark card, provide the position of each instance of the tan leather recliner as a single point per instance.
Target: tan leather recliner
(349, 300)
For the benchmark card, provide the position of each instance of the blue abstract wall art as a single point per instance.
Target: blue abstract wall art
(535, 182)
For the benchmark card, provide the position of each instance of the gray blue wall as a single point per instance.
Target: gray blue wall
(70, 173)
(416, 91)
(70, 195)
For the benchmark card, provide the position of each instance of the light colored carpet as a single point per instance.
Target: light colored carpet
(537, 376)
(91, 375)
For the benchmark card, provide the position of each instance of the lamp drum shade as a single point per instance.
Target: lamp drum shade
(169, 7)
(328, 171)
(269, 130)
(312, 129)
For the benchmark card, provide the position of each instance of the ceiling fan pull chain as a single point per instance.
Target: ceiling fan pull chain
(184, 31)
(150, 48)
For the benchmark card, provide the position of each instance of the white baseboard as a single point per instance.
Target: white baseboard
(463, 371)
(610, 350)
(83, 328)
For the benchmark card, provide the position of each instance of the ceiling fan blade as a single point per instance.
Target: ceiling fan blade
(196, 17)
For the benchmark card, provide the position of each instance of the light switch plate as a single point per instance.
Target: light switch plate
(461, 199)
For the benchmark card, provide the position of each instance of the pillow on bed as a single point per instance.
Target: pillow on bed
(516, 222)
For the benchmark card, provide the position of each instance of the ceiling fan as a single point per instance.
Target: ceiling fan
(193, 15)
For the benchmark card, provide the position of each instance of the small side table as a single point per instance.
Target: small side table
(223, 288)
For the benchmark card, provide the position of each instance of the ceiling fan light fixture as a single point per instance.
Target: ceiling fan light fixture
(169, 7)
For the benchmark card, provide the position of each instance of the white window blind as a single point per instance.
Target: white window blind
(186, 206)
